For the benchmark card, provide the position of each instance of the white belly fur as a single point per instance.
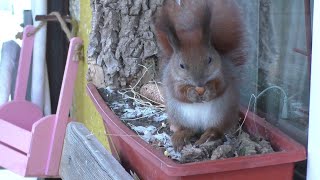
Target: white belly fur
(208, 114)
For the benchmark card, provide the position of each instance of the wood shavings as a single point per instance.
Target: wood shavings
(221, 152)
(150, 124)
(192, 154)
(247, 146)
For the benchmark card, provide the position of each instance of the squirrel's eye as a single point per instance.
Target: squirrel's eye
(182, 66)
(210, 60)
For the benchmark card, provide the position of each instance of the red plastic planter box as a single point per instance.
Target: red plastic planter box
(149, 163)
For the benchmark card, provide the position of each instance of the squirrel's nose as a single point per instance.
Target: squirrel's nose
(200, 90)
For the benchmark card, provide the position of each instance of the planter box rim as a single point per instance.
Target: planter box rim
(291, 152)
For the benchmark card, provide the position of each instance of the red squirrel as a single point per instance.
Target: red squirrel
(201, 42)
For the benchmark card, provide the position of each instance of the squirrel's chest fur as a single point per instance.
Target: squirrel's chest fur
(200, 116)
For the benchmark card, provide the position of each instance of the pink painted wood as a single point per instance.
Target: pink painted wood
(64, 104)
(15, 136)
(12, 160)
(9, 111)
(26, 115)
(40, 147)
(24, 64)
(30, 144)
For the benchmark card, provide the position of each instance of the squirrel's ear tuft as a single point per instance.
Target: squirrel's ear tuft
(173, 38)
(227, 31)
(205, 24)
(165, 30)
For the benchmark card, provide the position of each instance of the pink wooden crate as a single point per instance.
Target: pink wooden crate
(31, 144)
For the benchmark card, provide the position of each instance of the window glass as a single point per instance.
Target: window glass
(276, 78)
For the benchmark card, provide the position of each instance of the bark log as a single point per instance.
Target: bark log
(122, 42)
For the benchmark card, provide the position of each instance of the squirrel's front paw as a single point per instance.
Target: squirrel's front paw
(209, 94)
(192, 95)
(209, 135)
(180, 138)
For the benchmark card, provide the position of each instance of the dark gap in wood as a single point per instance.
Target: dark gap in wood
(57, 49)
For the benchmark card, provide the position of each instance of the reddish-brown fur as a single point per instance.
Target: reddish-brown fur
(189, 34)
(215, 85)
(226, 27)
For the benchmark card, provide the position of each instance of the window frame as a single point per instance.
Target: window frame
(313, 161)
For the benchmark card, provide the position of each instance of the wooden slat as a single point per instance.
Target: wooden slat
(24, 64)
(15, 136)
(84, 157)
(12, 160)
(65, 101)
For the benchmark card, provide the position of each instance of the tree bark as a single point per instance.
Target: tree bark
(122, 43)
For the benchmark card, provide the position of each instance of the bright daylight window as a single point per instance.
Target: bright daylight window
(278, 67)
(11, 15)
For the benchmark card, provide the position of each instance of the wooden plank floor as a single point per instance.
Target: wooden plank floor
(84, 158)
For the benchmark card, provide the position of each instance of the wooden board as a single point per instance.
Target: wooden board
(84, 157)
